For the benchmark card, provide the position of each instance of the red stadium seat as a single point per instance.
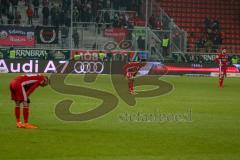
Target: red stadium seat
(190, 15)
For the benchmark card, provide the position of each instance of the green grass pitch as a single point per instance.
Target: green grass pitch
(212, 134)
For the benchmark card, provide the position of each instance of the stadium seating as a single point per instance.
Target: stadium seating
(190, 14)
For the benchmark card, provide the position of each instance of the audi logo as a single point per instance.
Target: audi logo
(89, 67)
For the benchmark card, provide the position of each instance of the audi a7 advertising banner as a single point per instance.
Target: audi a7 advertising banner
(75, 67)
(17, 36)
(106, 67)
(54, 66)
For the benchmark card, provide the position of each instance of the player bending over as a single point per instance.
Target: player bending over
(130, 71)
(222, 61)
(21, 88)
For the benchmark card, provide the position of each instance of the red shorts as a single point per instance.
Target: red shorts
(130, 75)
(224, 71)
(18, 92)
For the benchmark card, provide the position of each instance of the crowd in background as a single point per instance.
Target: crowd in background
(86, 11)
(154, 22)
(211, 38)
(12, 11)
(57, 13)
(8, 9)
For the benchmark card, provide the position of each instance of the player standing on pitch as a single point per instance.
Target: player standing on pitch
(21, 88)
(130, 71)
(222, 61)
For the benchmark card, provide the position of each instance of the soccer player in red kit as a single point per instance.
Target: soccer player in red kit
(21, 88)
(222, 61)
(130, 71)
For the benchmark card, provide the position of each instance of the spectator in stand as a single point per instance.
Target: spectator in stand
(81, 10)
(99, 4)
(57, 19)
(130, 5)
(108, 4)
(55, 15)
(107, 19)
(53, 11)
(166, 23)
(210, 35)
(64, 35)
(45, 12)
(10, 17)
(61, 17)
(67, 20)
(14, 6)
(83, 14)
(130, 26)
(158, 24)
(27, 2)
(88, 14)
(234, 60)
(75, 14)
(99, 25)
(141, 43)
(1, 8)
(89, 11)
(45, 3)
(29, 12)
(94, 47)
(208, 46)
(165, 46)
(1, 20)
(200, 44)
(17, 18)
(66, 5)
(76, 37)
(217, 41)
(5, 7)
(109, 56)
(152, 22)
(122, 21)
(126, 16)
(95, 8)
(213, 36)
(116, 20)
(215, 25)
(36, 4)
(101, 56)
(207, 24)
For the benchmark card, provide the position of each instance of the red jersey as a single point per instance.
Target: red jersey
(130, 70)
(222, 59)
(29, 12)
(22, 86)
(132, 67)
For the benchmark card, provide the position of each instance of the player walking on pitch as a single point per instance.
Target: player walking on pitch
(222, 61)
(21, 88)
